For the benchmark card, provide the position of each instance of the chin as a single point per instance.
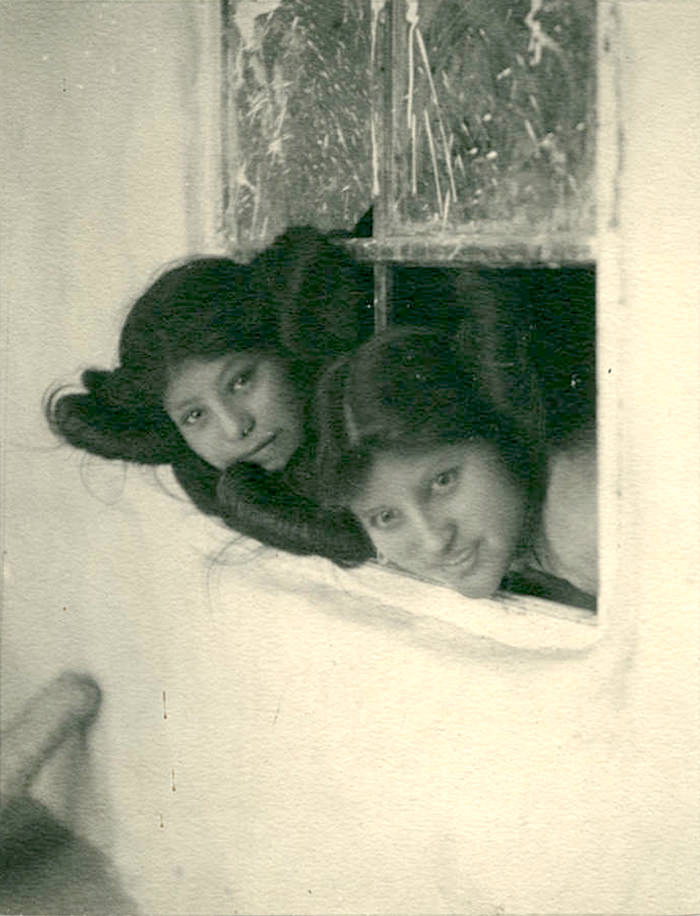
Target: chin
(486, 581)
(279, 462)
(276, 463)
(484, 585)
(477, 587)
(485, 590)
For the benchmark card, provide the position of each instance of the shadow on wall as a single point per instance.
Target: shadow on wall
(45, 868)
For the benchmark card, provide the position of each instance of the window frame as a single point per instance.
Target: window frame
(603, 249)
(388, 248)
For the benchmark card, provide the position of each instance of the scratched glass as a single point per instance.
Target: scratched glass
(493, 123)
(297, 135)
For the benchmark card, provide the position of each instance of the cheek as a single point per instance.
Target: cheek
(513, 508)
(374, 536)
(394, 547)
(194, 442)
(287, 416)
(205, 445)
(280, 402)
(206, 450)
(507, 522)
(493, 499)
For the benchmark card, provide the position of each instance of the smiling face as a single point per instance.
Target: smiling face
(452, 514)
(237, 407)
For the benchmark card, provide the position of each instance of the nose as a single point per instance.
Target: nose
(236, 424)
(435, 535)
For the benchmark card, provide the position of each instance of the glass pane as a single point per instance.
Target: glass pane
(297, 137)
(493, 125)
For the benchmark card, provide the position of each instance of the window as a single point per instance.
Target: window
(471, 126)
(296, 140)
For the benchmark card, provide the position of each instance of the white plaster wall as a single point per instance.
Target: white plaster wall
(108, 157)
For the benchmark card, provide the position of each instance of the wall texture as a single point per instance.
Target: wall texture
(108, 163)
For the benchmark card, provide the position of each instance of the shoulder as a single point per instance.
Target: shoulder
(573, 470)
(568, 537)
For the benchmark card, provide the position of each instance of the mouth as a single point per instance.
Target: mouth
(259, 448)
(464, 561)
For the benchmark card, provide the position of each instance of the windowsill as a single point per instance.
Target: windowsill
(494, 248)
(517, 621)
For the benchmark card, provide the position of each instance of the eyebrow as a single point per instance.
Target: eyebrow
(436, 466)
(178, 406)
(368, 513)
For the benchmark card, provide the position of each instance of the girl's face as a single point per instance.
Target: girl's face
(451, 513)
(237, 407)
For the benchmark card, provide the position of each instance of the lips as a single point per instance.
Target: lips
(463, 561)
(265, 442)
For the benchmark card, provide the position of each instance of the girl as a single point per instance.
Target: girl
(216, 361)
(449, 481)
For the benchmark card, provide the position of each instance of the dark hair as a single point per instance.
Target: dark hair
(271, 508)
(408, 389)
(302, 298)
(534, 332)
(202, 307)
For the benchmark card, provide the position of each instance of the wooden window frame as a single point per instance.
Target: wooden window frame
(389, 248)
(645, 251)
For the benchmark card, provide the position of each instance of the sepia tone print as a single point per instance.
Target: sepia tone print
(350, 450)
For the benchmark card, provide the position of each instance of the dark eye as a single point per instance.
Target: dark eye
(240, 381)
(444, 480)
(193, 416)
(385, 518)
